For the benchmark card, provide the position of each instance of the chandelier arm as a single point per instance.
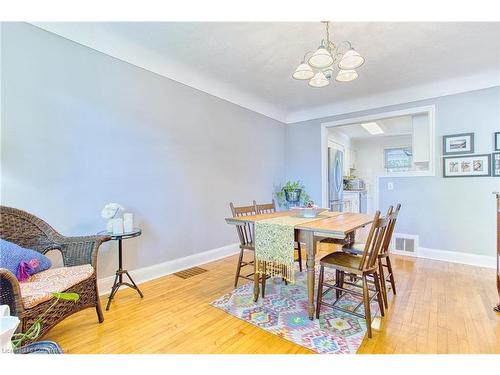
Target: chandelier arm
(305, 55)
(348, 44)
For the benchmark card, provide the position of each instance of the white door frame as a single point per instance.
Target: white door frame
(429, 109)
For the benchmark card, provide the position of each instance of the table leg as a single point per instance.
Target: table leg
(308, 237)
(350, 239)
(255, 273)
(119, 278)
(120, 261)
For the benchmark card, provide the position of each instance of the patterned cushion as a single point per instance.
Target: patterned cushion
(38, 288)
(12, 255)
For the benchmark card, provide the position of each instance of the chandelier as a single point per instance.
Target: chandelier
(318, 67)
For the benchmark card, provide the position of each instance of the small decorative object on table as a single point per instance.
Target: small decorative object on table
(110, 212)
(136, 232)
(308, 212)
(128, 222)
(292, 194)
(116, 224)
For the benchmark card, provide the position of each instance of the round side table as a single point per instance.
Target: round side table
(120, 271)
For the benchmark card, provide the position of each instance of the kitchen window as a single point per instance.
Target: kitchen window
(398, 159)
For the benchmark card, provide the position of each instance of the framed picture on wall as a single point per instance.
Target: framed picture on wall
(497, 141)
(455, 144)
(495, 164)
(467, 166)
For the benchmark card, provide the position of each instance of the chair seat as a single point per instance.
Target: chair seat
(345, 262)
(39, 287)
(339, 258)
(357, 249)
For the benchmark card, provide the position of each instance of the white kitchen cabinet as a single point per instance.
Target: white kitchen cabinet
(351, 201)
(352, 158)
(420, 139)
(347, 161)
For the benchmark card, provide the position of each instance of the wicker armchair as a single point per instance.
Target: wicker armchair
(31, 232)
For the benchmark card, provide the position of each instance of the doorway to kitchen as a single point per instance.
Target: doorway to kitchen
(356, 152)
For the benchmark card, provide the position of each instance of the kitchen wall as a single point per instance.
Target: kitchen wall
(81, 129)
(370, 162)
(453, 214)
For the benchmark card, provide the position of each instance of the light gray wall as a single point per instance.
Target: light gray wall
(454, 214)
(81, 129)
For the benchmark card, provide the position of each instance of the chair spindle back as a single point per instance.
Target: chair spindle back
(266, 208)
(374, 242)
(244, 231)
(390, 228)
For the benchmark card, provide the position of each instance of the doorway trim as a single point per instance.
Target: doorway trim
(429, 109)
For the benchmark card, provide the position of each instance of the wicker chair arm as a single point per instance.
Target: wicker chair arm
(77, 251)
(10, 292)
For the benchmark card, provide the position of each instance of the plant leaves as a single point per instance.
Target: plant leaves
(67, 296)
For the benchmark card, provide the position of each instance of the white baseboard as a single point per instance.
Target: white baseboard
(144, 274)
(457, 257)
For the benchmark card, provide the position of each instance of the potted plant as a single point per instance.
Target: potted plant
(293, 194)
(32, 333)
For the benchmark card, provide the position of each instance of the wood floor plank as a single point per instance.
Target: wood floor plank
(440, 308)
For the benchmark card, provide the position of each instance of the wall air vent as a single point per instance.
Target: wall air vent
(405, 244)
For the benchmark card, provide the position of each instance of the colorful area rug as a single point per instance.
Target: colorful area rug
(283, 312)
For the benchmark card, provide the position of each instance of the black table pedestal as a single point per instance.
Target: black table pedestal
(120, 272)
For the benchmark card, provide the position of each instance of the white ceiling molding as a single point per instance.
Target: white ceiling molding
(147, 59)
(411, 94)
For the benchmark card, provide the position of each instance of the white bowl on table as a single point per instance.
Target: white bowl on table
(307, 212)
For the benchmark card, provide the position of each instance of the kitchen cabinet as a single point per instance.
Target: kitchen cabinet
(355, 201)
(352, 158)
(347, 161)
(420, 139)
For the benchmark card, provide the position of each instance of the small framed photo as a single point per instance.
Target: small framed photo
(495, 164)
(497, 141)
(455, 144)
(467, 166)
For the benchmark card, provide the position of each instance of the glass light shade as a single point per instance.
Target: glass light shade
(303, 71)
(351, 60)
(319, 80)
(321, 58)
(346, 75)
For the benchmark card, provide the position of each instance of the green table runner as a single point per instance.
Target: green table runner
(274, 246)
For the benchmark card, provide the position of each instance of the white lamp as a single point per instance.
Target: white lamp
(346, 75)
(303, 71)
(321, 58)
(319, 80)
(351, 60)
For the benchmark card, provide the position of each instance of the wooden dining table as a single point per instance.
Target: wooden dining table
(336, 225)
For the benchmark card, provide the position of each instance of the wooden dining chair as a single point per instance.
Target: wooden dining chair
(268, 208)
(384, 260)
(360, 266)
(246, 240)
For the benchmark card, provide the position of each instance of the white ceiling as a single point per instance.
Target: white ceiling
(394, 126)
(251, 64)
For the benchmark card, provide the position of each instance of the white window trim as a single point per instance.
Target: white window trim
(430, 110)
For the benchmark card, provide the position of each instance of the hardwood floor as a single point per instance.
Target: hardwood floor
(440, 308)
